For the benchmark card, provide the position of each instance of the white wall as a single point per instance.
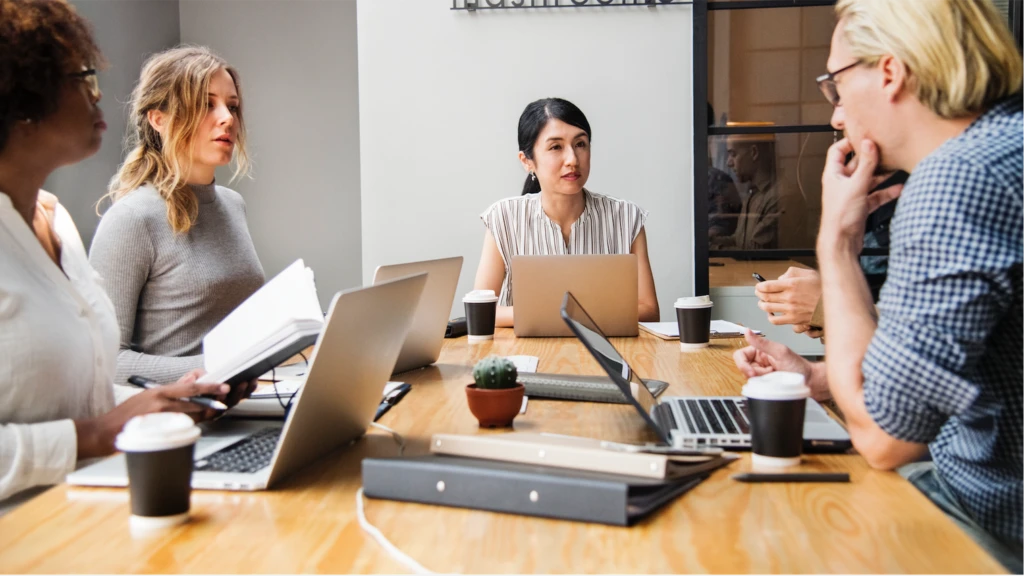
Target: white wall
(297, 62)
(440, 95)
(127, 32)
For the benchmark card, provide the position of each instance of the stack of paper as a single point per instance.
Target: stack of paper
(524, 364)
(670, 330)
(277, 322)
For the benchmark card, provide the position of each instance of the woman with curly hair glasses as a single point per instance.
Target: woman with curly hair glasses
(174, 249)
(58, 332)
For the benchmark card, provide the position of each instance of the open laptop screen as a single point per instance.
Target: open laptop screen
(618, 369)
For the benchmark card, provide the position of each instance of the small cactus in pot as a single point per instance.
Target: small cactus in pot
(495, 373)
(495, 398)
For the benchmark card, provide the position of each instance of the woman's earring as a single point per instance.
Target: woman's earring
(533, 176)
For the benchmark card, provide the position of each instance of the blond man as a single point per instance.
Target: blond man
(932, 88)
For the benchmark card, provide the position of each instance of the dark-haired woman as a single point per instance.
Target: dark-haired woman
(58, 332)
(555, 214)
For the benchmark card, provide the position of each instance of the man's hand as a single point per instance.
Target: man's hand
(793, 297)
(96, 435)
(763, 356)
(846, 200)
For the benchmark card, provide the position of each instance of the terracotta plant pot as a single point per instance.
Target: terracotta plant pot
(495, 408)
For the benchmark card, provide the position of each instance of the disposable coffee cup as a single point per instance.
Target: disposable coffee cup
(481, 307)
(159, 450)
(694, 317)
(776, 403)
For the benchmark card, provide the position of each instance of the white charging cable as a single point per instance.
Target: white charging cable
(398, 437)
(372, 530)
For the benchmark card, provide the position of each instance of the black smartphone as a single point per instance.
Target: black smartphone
(759, 278)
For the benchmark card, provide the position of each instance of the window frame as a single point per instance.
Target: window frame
(1014, 16)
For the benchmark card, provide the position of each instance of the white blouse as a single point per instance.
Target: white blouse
(520, 227)
(58, 352)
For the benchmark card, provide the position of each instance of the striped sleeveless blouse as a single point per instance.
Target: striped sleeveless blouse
(521, 228)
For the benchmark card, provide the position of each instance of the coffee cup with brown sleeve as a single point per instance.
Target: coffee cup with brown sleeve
(776, 403)
(693, 314)
(481, 309)
(159, 450)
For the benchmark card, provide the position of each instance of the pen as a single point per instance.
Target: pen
(794, 477)
(758, 277)
(146, 383)
(391, 399)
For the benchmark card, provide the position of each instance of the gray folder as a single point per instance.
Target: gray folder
(521, 488)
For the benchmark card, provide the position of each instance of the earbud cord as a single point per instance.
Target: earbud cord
(372, 530)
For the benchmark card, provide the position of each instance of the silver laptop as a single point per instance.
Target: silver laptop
(692, 421)
(606, 283)
(349, 366)
(422, 346)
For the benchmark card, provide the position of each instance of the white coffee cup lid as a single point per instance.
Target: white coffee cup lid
(694, 302)
(155, 432)
(777, 386)
(480, 296)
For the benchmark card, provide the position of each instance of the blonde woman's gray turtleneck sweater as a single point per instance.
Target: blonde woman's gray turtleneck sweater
(170, 289)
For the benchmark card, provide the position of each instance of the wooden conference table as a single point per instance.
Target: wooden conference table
(877, 523)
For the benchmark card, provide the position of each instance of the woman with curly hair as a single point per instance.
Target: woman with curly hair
(58, 332)
(174, 249)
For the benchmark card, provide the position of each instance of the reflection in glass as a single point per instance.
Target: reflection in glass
(724, 204)
(778, 180)
(751, 159)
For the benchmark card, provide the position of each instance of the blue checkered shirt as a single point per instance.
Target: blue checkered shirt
(945, 365)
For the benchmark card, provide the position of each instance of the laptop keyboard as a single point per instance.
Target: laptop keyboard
(250, 454)
(715, 416)
(581, 388)
(738, 411)
(591, 382)
(664, 416)
(724, 417)
(694, 410)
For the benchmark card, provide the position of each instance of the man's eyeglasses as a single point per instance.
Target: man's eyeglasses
(827, 83)
(90, 78)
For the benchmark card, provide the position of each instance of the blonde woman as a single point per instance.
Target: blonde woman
(174, 249)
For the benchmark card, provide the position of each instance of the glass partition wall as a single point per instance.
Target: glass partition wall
(761, 125)
(762, 128)
(765, 132)
(765, 128)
